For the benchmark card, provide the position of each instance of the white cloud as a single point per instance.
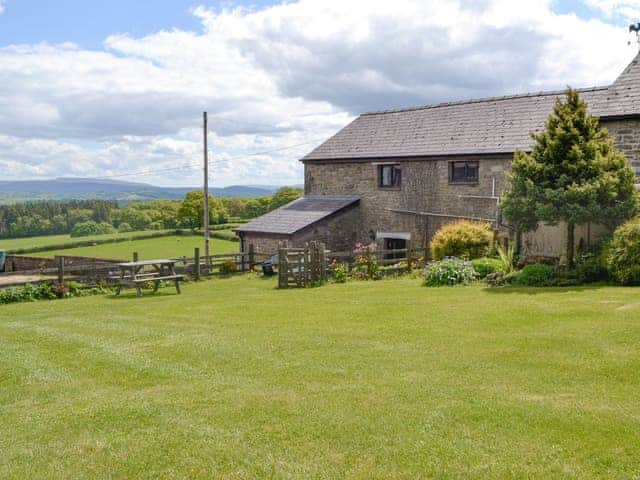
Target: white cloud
(280, 76)
(624, 10)
(2, 2)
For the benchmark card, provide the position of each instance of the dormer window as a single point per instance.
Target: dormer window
(389, 176)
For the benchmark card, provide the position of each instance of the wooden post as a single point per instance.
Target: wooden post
(408, 246)
(283, 268)
(323, 262)
(252, 256)
(135, 256)
(207, 254)
(196, 266)
(60, 269)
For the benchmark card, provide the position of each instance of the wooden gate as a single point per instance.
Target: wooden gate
(302, 267)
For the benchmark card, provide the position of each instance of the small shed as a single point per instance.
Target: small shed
(324, 218)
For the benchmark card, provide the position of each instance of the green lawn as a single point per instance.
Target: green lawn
(44, 241)
(161, 247)
(235, 379)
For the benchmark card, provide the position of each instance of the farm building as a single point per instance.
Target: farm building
(399, 175)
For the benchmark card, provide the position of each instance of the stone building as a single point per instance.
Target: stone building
(409, 171)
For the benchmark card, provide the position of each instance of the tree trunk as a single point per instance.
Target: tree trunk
(571, 229)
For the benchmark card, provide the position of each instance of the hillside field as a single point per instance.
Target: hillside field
(9, 244)
(150, 248)
(388, 379)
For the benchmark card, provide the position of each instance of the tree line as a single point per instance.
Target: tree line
(93, 217)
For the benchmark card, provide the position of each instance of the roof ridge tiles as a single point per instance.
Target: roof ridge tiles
(483, 100)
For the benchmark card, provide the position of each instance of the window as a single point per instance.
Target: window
(463, 172)
(389, 176)
(395, 244)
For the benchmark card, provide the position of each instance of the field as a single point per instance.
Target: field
(235, 379)
(162, 247)
(47, 240)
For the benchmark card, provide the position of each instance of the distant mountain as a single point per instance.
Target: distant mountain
(80, 189)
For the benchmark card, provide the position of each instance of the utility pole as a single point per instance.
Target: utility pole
(206, 195)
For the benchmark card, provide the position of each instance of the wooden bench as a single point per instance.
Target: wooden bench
(132, 274)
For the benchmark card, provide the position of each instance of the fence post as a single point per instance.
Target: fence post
(196, 266)
(135, 256)
(283, 268)
(252, 257)
(60, 269)
(408, 246)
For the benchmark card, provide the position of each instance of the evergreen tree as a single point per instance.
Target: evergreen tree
(573, 174)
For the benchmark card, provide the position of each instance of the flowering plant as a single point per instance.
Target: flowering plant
(449, 271)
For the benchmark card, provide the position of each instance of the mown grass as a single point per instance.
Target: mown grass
(388, 379)
(151, 248)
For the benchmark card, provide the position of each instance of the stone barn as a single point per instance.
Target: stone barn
(399, 175)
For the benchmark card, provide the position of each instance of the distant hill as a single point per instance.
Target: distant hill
(80, 189)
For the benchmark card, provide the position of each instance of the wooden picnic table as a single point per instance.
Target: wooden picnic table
(134, 274)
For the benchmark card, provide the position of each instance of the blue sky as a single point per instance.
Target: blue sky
(88, 22)
(92, 89)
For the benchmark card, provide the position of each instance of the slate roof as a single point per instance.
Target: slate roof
(299, 214)
(492, 125)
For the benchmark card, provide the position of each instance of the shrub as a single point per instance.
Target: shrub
(623, 253)
(366, 267)
(461, 239)
(85, 229)
(589, 269)
(485, 266)
(124, 228)
(340, 271)
(536, 275)
(450, 271)
(44, 291)
(228, 267)
(507, 256)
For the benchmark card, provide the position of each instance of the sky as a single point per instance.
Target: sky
(117, 89)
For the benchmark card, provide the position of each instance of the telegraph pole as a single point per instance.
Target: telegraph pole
(206, 194)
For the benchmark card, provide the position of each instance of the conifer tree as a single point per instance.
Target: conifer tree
(573, 175)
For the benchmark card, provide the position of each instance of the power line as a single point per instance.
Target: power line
(199, 164)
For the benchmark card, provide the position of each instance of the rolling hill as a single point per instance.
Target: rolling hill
(78, 189)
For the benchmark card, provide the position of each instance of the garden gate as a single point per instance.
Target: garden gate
(302, 267)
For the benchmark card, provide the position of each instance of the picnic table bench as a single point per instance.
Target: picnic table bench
(135, 274)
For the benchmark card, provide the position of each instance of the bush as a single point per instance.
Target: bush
(450, 271)
(485, 266)
(340, 271)
(536, 275)
(461, 239)
(124, 228)
(589, 269)
(366, 267)
(623, 253)
(85, 229)
(228, 267)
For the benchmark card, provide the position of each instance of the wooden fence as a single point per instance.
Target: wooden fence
(392, 261)
(101, 271)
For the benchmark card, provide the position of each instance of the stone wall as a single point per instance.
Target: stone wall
(425, 189)
(337, 232)
(626, 134)
(551, 240)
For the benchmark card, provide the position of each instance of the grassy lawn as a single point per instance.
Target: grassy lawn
(44, 241)
(235, 379)
(162, 247)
